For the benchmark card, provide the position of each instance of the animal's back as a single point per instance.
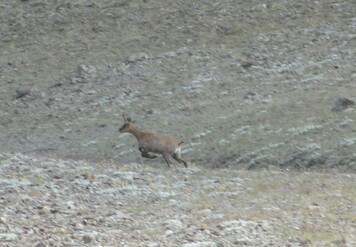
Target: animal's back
(159, 143)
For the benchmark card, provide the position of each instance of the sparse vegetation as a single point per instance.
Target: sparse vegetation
(266, 72)
(266, 86)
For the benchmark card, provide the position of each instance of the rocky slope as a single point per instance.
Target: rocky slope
(54, 202)
(245, 84)
(265, 85)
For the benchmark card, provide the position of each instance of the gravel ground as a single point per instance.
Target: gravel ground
(54, 202)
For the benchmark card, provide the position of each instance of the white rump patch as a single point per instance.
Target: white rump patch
(177, 151)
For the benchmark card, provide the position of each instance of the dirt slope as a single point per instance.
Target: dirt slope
(245, 84)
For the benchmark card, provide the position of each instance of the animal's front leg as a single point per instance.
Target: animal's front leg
(145, 154)
(167, 158)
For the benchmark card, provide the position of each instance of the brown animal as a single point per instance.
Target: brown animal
(149, 142)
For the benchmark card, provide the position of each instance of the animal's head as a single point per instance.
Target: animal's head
(127, 126)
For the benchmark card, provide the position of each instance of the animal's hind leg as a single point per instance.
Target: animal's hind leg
(179, 159)
(167, 158)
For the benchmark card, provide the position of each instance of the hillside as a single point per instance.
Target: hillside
(261, 92)
(245, 84)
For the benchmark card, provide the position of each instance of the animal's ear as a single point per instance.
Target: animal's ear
(127, 119)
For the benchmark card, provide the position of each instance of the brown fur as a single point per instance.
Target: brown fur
(168, 146)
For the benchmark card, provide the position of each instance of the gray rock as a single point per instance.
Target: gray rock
(169, 232)
(236, 225)
(86, 69)
(8, 236)
(153, 244)
(40, 245)
(243, 241)
(173, 225)
(87, 239)
(3, 220)
(342, 104)
(200, 244)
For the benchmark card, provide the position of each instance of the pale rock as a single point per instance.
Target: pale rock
(200, 244)
(173, 225)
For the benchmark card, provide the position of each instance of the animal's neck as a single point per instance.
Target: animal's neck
(136, 132)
